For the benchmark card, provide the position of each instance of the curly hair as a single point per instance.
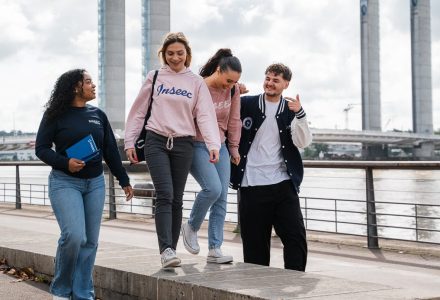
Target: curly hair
(224, 59)
(63, 93)
(279, 68)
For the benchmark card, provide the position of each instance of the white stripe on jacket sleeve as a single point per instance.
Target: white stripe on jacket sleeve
(301, 134)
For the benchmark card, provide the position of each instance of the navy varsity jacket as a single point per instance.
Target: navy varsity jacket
(252, 116)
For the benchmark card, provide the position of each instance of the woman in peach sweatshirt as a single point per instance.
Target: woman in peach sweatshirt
(179, 98)
(221, 73)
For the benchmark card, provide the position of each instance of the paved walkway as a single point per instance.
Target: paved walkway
(334, 271)
(12, 289)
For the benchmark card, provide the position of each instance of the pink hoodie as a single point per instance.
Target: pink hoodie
(228, 117)
(178, 99)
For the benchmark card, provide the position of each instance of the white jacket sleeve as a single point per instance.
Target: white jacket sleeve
(301, 134)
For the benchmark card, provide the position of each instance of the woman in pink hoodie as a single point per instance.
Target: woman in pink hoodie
(221, 73)
(179, 98)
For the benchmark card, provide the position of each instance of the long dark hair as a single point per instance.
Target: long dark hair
(63, 93)
(224, 59)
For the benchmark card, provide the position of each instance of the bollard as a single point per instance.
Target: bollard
(373, 240)
(17, 188)
(146, 190)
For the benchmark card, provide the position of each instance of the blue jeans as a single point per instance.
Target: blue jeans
(77, 204)
(214, 180)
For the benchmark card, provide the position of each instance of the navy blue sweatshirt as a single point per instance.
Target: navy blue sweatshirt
(69, 128)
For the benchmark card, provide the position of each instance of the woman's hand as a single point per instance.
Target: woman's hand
(75, 165)
(131, 155)
(235, 160)
(214, 156)
(128, 190)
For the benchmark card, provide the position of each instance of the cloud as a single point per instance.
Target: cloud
(319, 40)
(191, 15)
(16, 31)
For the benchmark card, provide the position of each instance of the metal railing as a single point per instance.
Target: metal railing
(369, 217)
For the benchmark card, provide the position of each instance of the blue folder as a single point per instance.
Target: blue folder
(85, 149)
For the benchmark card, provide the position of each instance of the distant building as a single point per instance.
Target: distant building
(155, 25)
(111, 61)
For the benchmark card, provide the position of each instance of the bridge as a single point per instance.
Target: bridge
(373, 137)
(23, 147)
(319, 136)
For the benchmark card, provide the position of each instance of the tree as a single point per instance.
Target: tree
(321, 147)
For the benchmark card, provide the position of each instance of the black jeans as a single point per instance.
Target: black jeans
(277, 205)
(169, 170)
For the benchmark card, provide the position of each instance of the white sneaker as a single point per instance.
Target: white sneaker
(216, 256)
(169, 258)
(190, 239)
(60, 298)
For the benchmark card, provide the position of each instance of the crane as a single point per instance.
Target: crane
(349, 107)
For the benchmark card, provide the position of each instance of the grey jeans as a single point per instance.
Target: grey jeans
(169, 170)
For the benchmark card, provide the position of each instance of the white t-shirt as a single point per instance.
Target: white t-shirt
(265, 162)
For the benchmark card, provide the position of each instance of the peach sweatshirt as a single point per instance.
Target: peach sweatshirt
(178, 100)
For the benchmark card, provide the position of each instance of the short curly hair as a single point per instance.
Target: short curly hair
(280, 68)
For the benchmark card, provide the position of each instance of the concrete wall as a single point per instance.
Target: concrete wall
(421, 66)
(155, 24)
(370, 65)
(111, 47)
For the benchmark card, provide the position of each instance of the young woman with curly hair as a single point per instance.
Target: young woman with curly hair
(76, 187)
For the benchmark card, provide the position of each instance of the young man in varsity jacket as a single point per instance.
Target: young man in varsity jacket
(271, 170)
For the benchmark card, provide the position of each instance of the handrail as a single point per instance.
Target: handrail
(358, 164)
(371, 214)
(410, 165)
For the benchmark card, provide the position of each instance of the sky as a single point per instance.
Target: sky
(319, 40)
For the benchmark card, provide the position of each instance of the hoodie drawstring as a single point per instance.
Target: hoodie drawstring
(170, 143)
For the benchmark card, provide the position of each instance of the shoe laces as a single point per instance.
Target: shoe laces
(168, 252)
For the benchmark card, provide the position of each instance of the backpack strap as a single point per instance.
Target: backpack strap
(140, 142)
(147, 116)
(232, 91)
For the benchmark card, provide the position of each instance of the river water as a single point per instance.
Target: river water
(322, 191)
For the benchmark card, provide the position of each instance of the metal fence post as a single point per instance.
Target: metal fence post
(17, 188)
(373, 240)
(153, 203)
(417, 222)
(237, 228)
(111, 197)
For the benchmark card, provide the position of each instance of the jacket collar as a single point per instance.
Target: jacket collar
(262, 104)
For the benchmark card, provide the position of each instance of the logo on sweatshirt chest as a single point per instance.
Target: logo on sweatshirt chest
(161, 89)
(94, 121)
(222, 105)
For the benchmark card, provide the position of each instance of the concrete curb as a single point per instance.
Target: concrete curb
(132, 273)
